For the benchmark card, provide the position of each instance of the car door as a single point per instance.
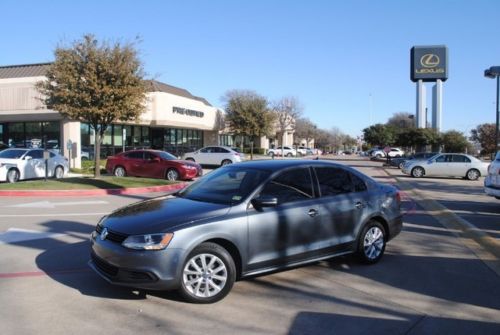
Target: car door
(35, 165)
(459, 165)
(343, 204)
(134, 163)
(153, 166)
(204, 156)
(439, 166)
(287, 232)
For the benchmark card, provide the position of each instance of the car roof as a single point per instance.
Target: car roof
(278, 164)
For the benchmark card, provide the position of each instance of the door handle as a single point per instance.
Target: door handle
(312, 213)
(359, 205)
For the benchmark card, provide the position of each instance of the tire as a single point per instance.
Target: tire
(190, 159)
(59, 172)
(401, 165)
(378, 156)
(289, 154)
(371, 243)
(397, 156)
(85, 159)
(120, 171)
(12, 175)
(226, 162)
(172, 175)
(199, 283)
(473, 174)
(417, 172)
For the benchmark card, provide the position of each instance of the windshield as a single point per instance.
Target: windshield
(227, 185)
(166, 155)
(12, 154)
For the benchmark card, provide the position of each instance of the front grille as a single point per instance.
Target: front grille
(112, 235)
(104, 266)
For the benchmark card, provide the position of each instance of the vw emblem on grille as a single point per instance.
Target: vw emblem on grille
(104, 233)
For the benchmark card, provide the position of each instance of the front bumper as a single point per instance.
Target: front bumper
(492, 185)
(152, 270)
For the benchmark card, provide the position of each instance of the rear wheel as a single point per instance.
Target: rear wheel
(172, 175)
(120, 171)
(401, 165)
(473, 174)
(59, 172)
(208, 274)
(371, 243)
(12, 175)
(289, 154)
(417, 172)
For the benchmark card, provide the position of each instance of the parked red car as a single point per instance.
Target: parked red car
(152, 164)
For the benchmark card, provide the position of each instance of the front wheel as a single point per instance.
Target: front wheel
(120, 171)
(190, 159)
(417, 172)
(371, 243)
(12, 176)
(226, 162)
(208, 274)
(401, 165)
(172, 175)
(289, 154)
(58, 172)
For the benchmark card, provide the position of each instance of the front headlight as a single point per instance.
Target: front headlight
(148, 242)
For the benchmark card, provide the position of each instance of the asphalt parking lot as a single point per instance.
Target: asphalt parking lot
(431, 280)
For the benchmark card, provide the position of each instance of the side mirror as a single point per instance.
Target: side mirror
(27, 158)
(265, 201)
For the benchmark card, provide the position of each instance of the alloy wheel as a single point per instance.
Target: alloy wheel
(172, 175)
(373, 243)
(205, 275)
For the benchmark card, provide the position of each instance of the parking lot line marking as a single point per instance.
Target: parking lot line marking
(486, 248)
(42, 273)
(15, 235)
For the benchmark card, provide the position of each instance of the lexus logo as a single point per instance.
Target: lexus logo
(429, 60)
(104, 233)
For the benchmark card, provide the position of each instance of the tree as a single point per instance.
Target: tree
(287, 110)
(485, 135)
(305, 129)
(417, 137)
(379, 134)
(98, 83)
(401, 120)
(454, 141)
(247, 114)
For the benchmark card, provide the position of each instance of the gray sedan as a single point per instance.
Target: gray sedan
(447, 165)
(242, 220)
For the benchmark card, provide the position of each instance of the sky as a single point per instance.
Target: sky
(347, 62)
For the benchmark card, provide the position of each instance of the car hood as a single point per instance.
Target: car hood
(185, 162)
(162, 214)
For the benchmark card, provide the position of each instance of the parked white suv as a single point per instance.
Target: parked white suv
(287, 151)
(492, 180)
(395, 152)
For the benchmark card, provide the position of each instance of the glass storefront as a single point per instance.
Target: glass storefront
(31, 134)
(175, 141)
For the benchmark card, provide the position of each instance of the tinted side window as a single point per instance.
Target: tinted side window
(333, 181)
(359, 184)
(460, 159)
(35, 154)
(135, 155)
(441, 159)
(291, 185)
(149, 156)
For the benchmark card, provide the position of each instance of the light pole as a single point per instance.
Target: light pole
(494, 72)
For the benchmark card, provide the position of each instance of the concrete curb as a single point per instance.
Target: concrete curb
(485, 247)
(89, 193)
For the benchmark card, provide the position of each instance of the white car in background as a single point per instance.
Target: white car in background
(19, 164)
(214, 155)
(447, 165)
(492, 180)
(287, 151)
(395, 152)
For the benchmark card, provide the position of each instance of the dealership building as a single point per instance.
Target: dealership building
(174, 120)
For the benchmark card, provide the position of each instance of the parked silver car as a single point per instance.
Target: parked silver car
(492, 181)
(447, 165)
(20, 164)
(242, 220)
(214, 155)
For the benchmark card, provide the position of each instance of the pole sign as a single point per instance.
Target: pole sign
(429, 63)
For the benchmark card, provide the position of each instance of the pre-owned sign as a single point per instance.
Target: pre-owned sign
(429, 63)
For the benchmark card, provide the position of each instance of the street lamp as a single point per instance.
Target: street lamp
(494, 72)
